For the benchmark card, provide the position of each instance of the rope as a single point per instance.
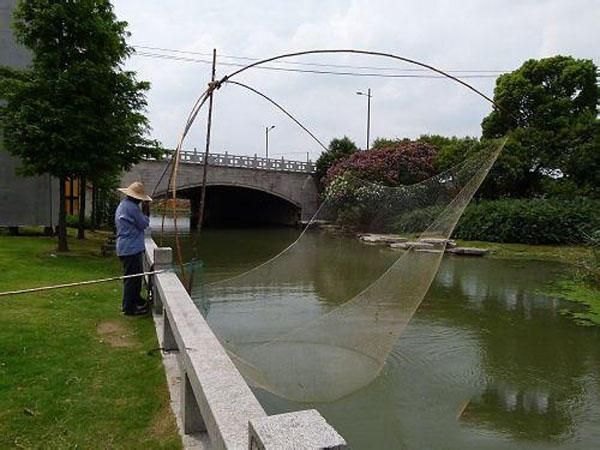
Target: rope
(89, 282)
(82, 283)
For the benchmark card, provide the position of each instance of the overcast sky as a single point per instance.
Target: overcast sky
(466, 35)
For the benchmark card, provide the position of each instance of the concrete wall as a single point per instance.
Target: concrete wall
(216, 406)
(299, 189)
(11, 54)
(23, 200)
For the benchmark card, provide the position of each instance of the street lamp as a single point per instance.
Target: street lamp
(368, 95)
(267, 129)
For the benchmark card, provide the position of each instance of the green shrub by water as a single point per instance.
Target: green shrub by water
(524, 221)
(531, 221)
(417, 220)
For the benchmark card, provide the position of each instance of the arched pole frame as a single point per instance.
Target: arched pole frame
(215, 85)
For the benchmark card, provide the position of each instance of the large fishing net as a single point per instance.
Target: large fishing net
(291, 325)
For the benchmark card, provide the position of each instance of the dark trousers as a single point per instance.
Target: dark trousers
(132, 286)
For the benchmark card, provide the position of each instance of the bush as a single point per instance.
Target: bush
(417, 220)
(402, 163)
(73, 222)
(338, 149)
(530, 221)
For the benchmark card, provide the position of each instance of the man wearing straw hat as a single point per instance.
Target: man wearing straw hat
(130, 223)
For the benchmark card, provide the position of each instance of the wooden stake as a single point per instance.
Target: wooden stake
(206, 152)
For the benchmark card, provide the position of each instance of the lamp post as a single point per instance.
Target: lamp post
(368, 95)
(267, 129)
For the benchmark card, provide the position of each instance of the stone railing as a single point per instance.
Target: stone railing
(248, 162)
(214, 397)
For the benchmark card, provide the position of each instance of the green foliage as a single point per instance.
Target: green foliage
(338, 150)
(73, 222)
(381, 142)
(402, 163)
(353, 202)
(591, 264)
(549, 109)
(525, 221)
(417, 220)
(451, 150)
(530, 221)
(75, 112)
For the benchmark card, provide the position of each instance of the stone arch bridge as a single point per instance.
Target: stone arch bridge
(240, 189)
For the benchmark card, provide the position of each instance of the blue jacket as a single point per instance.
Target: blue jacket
(130, 223)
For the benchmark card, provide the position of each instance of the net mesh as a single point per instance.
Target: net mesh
(290, 336)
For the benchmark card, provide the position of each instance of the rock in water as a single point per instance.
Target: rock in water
(382, 238)
(471, 251)
(439, 241)
(412, 244)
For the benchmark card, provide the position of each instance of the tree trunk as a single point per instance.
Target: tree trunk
(94, 214)
(62, 217)
(82, 194)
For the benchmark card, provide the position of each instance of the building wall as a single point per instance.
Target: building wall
(23, 200)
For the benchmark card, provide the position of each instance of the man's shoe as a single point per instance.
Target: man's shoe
(137, 312)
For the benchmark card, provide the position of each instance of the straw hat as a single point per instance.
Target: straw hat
(136, 190)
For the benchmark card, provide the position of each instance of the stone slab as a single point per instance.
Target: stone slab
(439, 241)
(298, 430)
(429, 250)
(470, 251)
(382, 238)
(412, 244)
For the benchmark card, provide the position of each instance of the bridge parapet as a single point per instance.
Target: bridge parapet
(248, 162)
(216, 404)
(292, 181)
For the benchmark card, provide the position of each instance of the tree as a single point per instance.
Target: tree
(76, 112)
(549, 110)
(338, 149)
(451, 150)
(402, 163)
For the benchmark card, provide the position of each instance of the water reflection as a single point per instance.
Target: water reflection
(533, 358)
(533, 414)
(488, 362)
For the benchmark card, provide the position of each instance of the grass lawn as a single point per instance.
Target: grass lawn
(560, 253)
(74, 372)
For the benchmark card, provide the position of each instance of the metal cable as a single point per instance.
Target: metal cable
(281, 108)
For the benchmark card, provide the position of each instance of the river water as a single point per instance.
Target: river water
(487, 362)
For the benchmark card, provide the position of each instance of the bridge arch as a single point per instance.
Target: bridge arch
(282, 195)
(237, 205)
(198, 186)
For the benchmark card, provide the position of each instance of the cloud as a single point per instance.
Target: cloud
(494, 35)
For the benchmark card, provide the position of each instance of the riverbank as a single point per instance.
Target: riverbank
(573, 286)
(560, 253)
(74, 372)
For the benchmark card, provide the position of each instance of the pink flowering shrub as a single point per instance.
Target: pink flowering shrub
(355, 186)
(400, 163)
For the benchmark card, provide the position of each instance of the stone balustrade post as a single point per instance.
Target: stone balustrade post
(163, 259)
(300, 429)
(191, 417)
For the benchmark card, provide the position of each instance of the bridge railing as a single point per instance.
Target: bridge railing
(247, 162)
